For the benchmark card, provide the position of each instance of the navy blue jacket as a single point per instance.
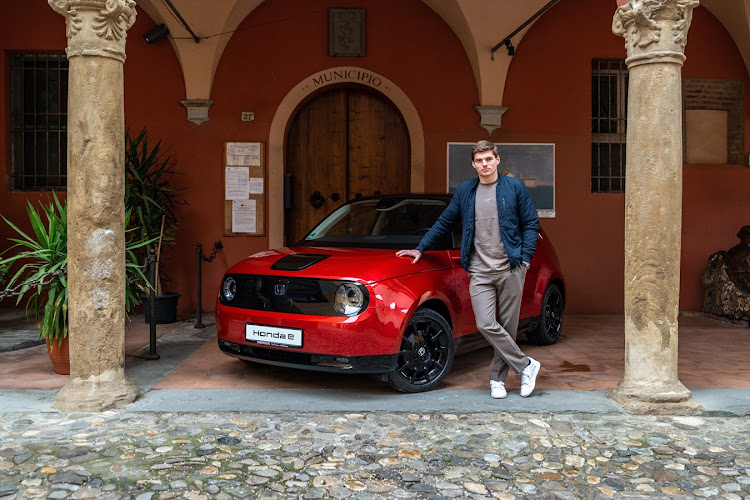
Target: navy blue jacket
(519, 222)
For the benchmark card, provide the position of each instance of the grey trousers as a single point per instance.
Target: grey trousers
(496, 299)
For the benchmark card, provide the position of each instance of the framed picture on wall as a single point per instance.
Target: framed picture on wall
(532, 163)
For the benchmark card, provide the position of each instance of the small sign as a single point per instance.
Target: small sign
(243, 153)
(243, 216)
(237, 183)
(271, 335)
(346, 33)
(256, 185)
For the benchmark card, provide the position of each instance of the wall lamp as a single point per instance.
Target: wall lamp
(156, 34)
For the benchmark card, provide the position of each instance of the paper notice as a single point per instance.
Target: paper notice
(237, 183)
(243, 153)
(256, 185)
(243, 216)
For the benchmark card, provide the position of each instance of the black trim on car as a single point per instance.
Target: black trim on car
(288, 294)
(297, 261)
(381, 363)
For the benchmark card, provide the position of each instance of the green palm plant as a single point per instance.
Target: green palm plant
(3, 272)
(150, 194)
(43, 255)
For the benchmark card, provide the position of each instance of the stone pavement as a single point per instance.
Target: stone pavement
(254, 443)
(153, 455)
(17, 331)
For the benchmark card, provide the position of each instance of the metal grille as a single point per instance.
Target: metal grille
(609, 104)
(288, 294)
(38, 120)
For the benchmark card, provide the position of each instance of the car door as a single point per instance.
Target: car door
(465, 322)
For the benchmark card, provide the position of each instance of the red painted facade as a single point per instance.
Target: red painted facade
(547, 92)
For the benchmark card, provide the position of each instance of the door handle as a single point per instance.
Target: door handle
(316, 199)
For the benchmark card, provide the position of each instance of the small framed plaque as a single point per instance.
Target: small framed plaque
(347, 33)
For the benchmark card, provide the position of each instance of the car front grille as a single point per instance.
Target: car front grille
(285, 294)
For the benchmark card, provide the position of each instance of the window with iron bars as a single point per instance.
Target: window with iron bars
(38, 121)
(609, 104)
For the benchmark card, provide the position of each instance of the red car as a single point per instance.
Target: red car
(340, 300)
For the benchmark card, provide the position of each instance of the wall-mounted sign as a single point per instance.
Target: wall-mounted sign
(346, 32)
(244, 189)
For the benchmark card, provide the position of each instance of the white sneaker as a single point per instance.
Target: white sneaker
(497, 389)
(528, 377)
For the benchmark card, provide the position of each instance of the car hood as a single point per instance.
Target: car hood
(359, 264)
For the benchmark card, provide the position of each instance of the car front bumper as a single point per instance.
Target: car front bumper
(381, 363)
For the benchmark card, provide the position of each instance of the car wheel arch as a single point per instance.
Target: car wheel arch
(557, 280)
(439, 307)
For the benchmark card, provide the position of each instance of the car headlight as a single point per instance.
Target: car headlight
(349, 300)
(229, 288)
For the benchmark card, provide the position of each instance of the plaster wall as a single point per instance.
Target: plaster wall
(548, 92)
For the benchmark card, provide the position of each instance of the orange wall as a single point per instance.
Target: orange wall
(548, 92)
(281, 43)
(15, 35)
(274, 48)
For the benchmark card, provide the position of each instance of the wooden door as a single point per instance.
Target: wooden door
(343, 143)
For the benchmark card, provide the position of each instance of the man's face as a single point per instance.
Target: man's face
(485, 163)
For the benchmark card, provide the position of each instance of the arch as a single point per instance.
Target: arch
(287, 108)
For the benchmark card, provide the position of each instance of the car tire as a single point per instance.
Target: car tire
(549, 326)
(426, 355)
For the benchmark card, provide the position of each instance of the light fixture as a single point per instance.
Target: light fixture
(506, 41)
(156, 34)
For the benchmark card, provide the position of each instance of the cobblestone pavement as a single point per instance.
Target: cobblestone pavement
(124, 455)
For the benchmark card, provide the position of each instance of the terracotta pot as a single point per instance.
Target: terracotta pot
(59, 354)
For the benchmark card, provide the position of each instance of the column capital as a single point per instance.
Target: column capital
(654, 30)
(96, 27)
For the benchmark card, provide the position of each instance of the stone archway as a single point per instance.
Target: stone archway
(286, 109)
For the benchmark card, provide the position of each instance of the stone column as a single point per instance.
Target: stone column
(655, 33)
(96, 214)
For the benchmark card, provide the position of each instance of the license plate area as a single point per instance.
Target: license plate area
(273, 335)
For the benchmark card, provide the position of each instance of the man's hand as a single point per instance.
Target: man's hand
(526, 265)
(414, 254)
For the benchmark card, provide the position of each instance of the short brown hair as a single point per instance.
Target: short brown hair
(482, 146)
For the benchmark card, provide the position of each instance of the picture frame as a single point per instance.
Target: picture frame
(533, 163)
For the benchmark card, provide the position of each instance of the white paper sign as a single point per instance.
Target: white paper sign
(256, 185)
(243, 216)
(237, 184)
(243, 153)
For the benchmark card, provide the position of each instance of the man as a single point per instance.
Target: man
(500, 228)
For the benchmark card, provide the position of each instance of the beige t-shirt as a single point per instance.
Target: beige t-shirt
(489, 252)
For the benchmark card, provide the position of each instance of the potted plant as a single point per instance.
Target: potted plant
(3, 272)
(43, 255)
(153, 199)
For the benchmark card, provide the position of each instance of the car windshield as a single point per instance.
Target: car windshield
(378, 223)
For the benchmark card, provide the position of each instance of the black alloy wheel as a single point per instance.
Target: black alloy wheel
(427, 352)
(548, 329)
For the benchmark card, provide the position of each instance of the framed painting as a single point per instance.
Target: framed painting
(532, 163)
